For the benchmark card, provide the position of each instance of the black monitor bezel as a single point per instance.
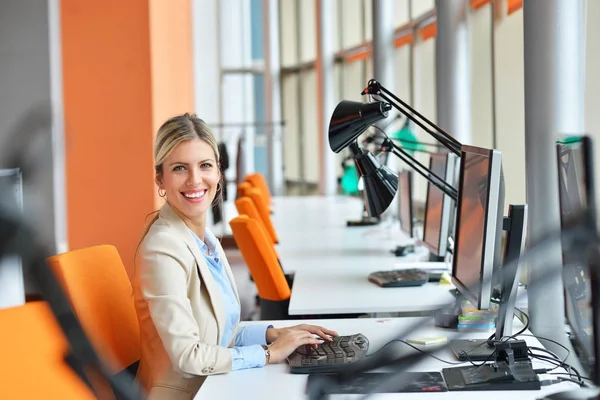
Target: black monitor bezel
(407, 174)
(435, 249)
(593, 366)
(475, 298)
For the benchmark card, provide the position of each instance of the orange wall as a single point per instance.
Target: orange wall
(171, 60)
(108, 122)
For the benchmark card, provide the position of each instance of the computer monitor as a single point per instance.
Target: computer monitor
(508, 277)
(478, 228)
(439, 208)
(405, 203)
(576, 194)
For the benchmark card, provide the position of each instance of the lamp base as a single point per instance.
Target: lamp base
(365, 221)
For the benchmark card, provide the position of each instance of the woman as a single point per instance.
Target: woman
(185, 296)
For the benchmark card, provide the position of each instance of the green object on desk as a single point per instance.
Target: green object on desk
(407, 139)
(350, 180)
(569, 140)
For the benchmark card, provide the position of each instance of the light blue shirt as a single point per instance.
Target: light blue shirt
(248, 352)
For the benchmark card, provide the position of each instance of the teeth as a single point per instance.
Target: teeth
(194, 195)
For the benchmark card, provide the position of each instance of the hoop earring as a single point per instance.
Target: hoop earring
(162, 194)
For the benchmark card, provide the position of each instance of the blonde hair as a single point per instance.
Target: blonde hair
(179, 129)
(173, 132)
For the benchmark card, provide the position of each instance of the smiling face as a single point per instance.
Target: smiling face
(190, 176)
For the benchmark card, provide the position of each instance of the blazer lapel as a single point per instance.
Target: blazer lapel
(207, 280)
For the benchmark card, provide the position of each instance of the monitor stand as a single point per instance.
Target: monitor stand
(479, 350)
(365, 221)
(472, 349)
(436, 258)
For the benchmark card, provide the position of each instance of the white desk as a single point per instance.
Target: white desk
(331, 290)
(300, 213)
(274, 382)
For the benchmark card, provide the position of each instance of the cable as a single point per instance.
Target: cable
(565, 373)
(549, 340)
(429, 354)
(552, 361)
(574, 238)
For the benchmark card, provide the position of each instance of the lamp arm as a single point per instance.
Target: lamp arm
(375, 88)
(434, 179)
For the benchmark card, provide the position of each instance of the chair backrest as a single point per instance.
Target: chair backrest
(258, 252)
(242, 188)
(32, 351)
(245, 206)
(258, 181)
(98, 288)
(260, 203)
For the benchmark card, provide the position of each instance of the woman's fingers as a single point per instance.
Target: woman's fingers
(319, 330)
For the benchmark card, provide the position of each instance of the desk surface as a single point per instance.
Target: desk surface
(333, 290)
(274, 382)
(295, 213)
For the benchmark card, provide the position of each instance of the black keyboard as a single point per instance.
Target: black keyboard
(328, 356)
(400, 277)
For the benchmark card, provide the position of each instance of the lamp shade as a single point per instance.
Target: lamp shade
(380, 183)
(351, 118)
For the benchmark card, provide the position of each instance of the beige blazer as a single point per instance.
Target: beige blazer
(180, 311)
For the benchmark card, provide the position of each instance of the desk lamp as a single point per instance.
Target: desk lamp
(348, 121)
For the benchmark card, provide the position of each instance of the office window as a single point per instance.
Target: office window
(510, 102)
(309, 134)
(291, 136)
(353, 80)
(402, 81)
(308, 31)
(425, 101)
(480, 22)
(351, 22)
(235, 28)
(368, 18)
(420, 7)
(287, 28)
(401, 15)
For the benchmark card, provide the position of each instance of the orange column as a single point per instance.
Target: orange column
(118, 82)
(171, 61)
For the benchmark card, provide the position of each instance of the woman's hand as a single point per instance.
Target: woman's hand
(273, 333)
(288, 341)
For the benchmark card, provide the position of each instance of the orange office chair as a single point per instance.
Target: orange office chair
(258, 181)
(98, 288)
(32, 350)
(245, 206)
(261, 205)
(257, 250)
(242, 188)
(273, 288)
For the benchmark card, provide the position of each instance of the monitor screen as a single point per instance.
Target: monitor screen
(405, 209)
(478, 224)
(575, 191)
(434, 207)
